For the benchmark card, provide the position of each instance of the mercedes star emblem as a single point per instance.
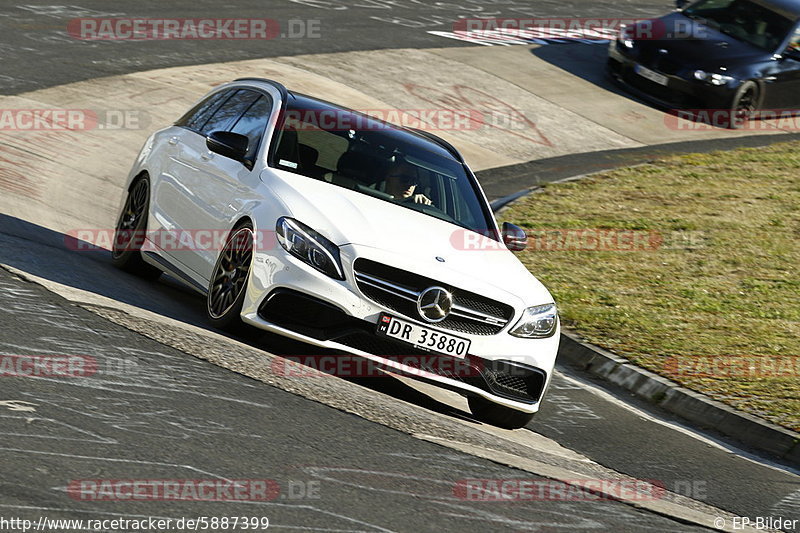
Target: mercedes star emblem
(434, 304)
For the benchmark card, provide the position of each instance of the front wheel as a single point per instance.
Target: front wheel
(228, 285)
(131, 230)
(743, 106)
(498, 415)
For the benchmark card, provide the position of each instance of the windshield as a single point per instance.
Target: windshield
(348, 149)
(746, 20)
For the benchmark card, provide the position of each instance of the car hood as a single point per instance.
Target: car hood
(407, 239)
(714, 50)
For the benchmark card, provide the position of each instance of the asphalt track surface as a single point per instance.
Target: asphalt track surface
(159, 414)
(37, 51)
(180, 417)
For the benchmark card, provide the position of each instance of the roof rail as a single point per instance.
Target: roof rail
(441, 142)
(277, 85)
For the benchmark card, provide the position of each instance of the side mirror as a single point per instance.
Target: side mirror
(680, 4)
(228, 144)
(514, 237)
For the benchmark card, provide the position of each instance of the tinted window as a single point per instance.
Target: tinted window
(350, 150)
(745, 20)
(200, 113)
(231, 110)
(253, 123)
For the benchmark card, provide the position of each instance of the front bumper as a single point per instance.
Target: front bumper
(287, 297)
(680, 93)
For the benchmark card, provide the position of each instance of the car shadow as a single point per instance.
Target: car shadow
(586, 61)
(63, 259)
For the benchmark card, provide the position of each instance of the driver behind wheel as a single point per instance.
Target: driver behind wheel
(401, 183)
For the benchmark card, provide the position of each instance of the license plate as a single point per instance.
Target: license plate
(422, 337)
(651, 75)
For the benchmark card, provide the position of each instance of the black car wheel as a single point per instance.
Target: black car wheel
(130, 232)
(744, 105)
(228, 285)
(497, 415)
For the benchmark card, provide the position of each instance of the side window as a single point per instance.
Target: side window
(329, 147)
(200, 113)
(253, 123)
(228, 112)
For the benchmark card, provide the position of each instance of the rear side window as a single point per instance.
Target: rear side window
(226, 114)
(253, 123)
(200, 113)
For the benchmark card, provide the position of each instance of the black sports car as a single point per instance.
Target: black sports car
(739, 56)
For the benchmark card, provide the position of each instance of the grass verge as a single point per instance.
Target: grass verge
(687, 266)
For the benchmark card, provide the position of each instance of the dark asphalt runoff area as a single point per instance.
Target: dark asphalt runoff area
(37, 49)
(150, 413)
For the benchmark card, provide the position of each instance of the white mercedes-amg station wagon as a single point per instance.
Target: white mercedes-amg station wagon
(347, 233)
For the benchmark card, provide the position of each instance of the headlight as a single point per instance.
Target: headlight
(537, 322)
(310, 247)
(625, 37)
(713, 79)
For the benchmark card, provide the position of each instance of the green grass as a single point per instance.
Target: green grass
(723, 287)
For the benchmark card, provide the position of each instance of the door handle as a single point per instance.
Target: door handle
(208, 156)
(173, 141)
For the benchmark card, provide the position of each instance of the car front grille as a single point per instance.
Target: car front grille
(307, 315)
(399, 290)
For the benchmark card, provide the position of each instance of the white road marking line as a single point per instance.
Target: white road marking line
(679, 427)
(18, 405)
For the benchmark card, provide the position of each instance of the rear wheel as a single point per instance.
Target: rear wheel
(229, 279)
(131, 230)
(744, 105)
(498, 415)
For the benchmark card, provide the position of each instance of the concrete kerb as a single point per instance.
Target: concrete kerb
(697, 408)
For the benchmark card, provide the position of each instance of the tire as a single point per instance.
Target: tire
(229, 279)
(497, 415)
(130, 231)
(743, 106)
